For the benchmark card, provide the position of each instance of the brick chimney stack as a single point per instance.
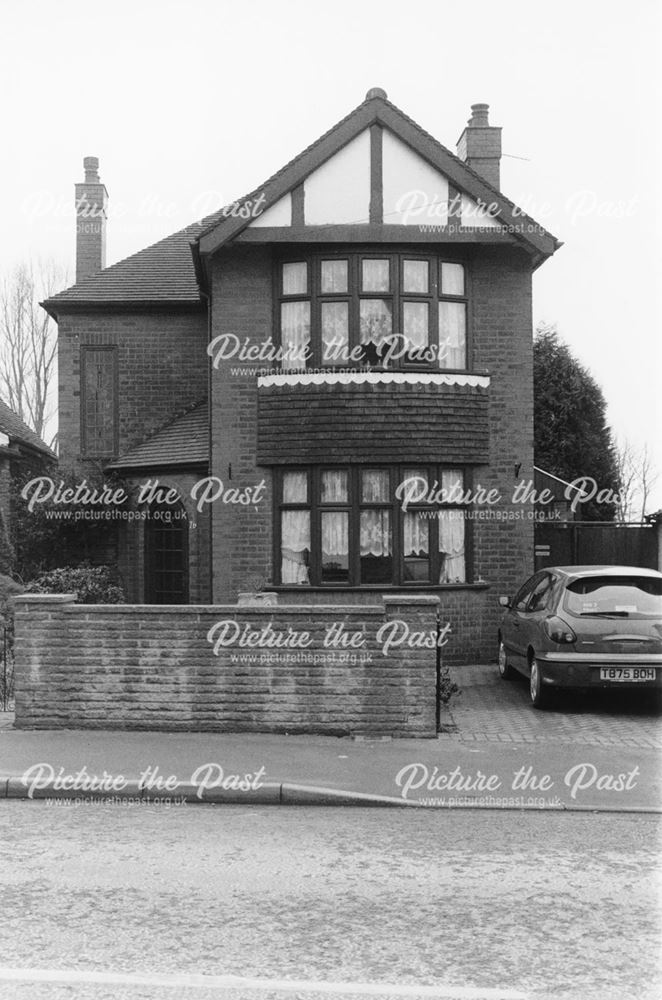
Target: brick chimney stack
(480, 145)
(91, 204)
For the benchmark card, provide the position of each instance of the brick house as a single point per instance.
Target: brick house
(22, 452)
(329, 377)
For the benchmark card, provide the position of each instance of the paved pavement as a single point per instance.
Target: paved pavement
(602, 753)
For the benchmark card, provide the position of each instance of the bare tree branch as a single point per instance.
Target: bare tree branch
(638, 476)
(28, 344)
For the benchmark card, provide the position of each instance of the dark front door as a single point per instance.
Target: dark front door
(166, 557)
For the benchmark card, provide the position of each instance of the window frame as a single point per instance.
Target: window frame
(354, 505)
(355, 294)
(87, 449)
(174, 527)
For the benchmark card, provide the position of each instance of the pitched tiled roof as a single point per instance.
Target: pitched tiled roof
(18, 431)
(184, 441)
(163, 272)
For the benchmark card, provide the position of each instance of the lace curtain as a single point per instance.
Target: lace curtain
(415, 323)
(375, 486)
(295, 487)
(451, 545)
(334, 486)
(335, 534)
(415, 274)
(375, 275)
(375, 321)
(376, 533)
(334, 276)
(335, 524)
(452, 335)
(295, 333)
(452, 478)
(335, 332)
(295, 278)
(415, 535)
(295, 546)
(452, 279)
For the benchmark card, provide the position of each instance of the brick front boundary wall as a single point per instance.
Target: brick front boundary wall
(147, 667)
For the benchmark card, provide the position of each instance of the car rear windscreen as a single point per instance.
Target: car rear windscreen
(628, 596)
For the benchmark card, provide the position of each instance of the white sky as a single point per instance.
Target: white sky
(189, 105)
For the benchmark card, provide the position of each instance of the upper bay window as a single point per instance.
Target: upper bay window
(390, 310)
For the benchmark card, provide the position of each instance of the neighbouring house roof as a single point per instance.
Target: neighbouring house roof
(183, 441)
(18, 431)
(170, 271)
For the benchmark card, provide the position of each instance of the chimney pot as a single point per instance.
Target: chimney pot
(480, 145)
(479, 116)
(91, 168)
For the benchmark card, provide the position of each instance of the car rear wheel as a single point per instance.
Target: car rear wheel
(539, 694)
(505, 670)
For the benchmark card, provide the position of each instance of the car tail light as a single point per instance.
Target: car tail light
(558, 630)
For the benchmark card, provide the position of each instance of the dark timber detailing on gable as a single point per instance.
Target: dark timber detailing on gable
(376, 176)
(298, 194)
(379, 111)
(174, 270)
(372, 423)
(353, 233)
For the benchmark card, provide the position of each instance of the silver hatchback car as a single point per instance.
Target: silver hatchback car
(584, 627)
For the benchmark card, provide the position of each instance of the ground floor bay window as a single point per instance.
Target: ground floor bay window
(372, 526)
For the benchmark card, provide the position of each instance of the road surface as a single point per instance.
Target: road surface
(303, 903)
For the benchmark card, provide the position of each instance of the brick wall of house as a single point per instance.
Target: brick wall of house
(471, 612)
(503, 345)
(242, 536)
(132, 542)
(137, 667)
(162, 369)
(501, 327)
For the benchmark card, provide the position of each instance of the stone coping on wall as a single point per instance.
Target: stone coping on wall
(65, 601)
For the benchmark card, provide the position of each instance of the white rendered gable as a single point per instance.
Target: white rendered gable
(338, 192)
(414, 192)
(279, 214)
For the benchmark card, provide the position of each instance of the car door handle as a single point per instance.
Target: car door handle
(515, 624)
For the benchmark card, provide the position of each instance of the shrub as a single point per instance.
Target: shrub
(8, 589)
(48, 534)
(92, 584)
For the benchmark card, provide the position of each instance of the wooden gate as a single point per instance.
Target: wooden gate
(594, 543)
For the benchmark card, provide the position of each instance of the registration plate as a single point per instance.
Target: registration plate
(627, 673)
